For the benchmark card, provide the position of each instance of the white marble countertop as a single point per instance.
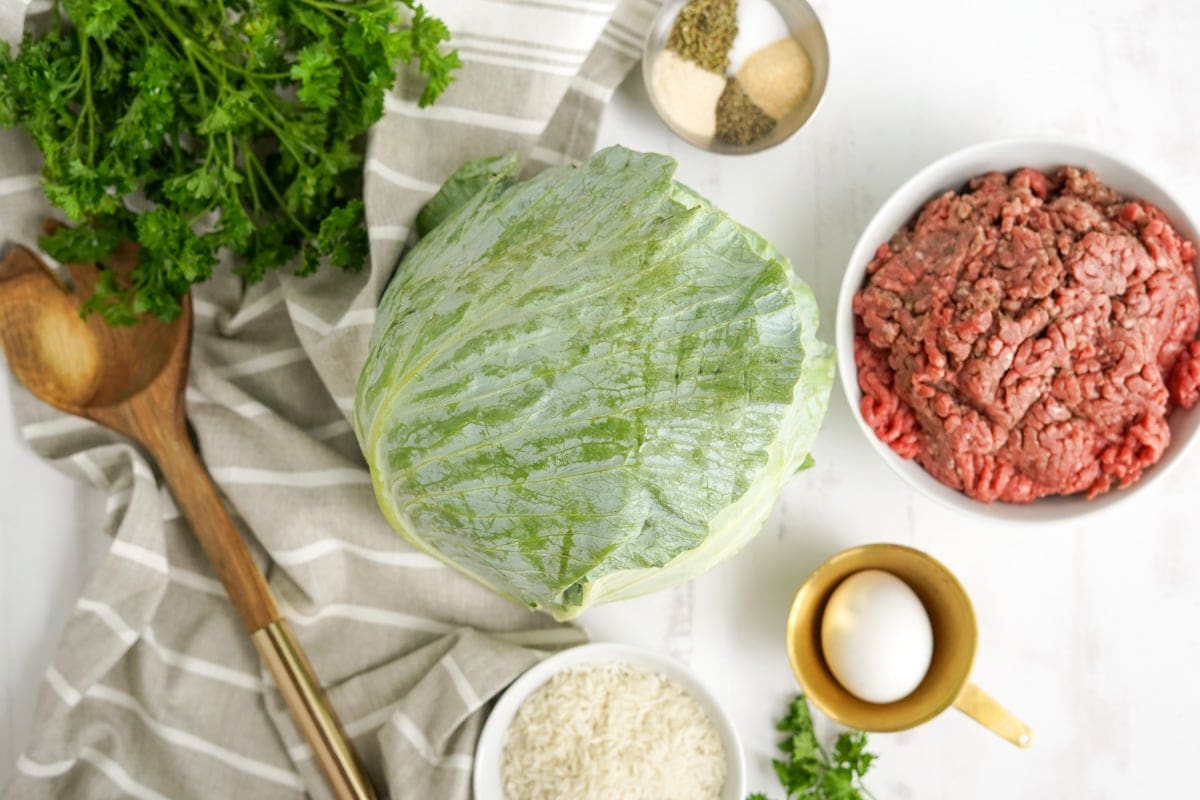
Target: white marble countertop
(1088, 630)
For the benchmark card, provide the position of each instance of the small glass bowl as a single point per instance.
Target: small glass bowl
(805, 28)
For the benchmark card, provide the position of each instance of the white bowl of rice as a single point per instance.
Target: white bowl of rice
(607, 721)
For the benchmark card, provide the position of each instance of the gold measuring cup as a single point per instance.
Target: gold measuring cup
(955, 636)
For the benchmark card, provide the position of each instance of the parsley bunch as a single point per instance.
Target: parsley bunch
(237, 120)
(807, 770)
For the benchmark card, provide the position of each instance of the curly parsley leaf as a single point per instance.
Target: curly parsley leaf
(807, 770)
(237, 124)
(424, 40)
(317, 71)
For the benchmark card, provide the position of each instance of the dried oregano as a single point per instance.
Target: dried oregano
(704, 32)
(739, 120)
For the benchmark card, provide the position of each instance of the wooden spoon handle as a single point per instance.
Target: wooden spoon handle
(200, 502)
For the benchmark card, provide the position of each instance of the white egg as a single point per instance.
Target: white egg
(876, 636)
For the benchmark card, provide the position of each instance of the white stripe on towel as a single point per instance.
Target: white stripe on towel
(268, 361)
(351, 319)
(369, 615)
(621, 47)
(324, 547)
(199, 744)
(249, 409)
(331, 429)
(410, 731)
(203, 667)
(140, 555)
(503, 61)
(181, 661)
(115, 773)
(259, 307)
(465, 691)
(55, 427)
(110, 618)
(62, 688)
(19, 183)
(204, 309)
(52, 769)
(197, 582)
(91, 469)
(117, 501)
(336, 476)
(109, 768)
(464, 116)
(387, 233)
(397, 178)
(548, 156)
(515, 47)
(591, 89)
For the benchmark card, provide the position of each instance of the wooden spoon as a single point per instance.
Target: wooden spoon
(132, 380)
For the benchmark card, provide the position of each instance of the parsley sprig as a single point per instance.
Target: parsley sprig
(234, 125)
(808, 770)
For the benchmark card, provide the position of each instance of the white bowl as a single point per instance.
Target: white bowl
(953, 172)
(488, 753)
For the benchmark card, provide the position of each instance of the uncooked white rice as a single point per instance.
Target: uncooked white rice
(611, 730)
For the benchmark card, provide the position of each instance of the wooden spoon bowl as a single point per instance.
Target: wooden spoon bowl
(74, 363)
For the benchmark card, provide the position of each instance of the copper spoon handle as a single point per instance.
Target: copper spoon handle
(200, 503)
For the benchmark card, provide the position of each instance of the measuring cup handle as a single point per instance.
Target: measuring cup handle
(979, 706)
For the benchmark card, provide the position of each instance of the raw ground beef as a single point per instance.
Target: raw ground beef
(1030, 336)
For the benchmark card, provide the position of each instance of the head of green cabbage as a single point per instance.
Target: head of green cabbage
(589, 385)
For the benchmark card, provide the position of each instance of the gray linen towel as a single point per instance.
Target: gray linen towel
(155, 691)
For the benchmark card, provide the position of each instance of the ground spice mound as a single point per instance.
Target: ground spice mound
(704, 31)
(1030, 336)
(739, 120)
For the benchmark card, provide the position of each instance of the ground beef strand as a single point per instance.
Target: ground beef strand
(1030, 336)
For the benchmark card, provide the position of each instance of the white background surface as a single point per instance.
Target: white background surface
(1088, 631)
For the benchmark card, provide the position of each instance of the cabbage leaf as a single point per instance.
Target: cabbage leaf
(589, 385)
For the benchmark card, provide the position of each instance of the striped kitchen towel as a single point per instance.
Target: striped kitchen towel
(155, 691)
